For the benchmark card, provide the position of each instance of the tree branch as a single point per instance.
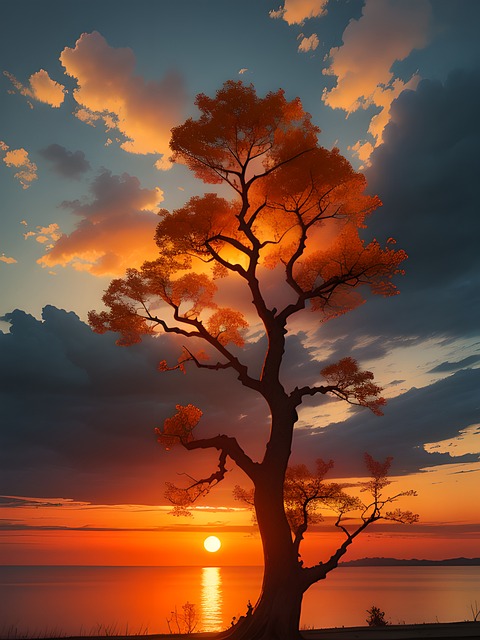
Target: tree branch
(277, 166)
(298, 393)
(228, 446)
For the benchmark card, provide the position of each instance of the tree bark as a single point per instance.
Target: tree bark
(276, 615)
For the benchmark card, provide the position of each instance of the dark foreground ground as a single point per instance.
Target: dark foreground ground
(435, 631)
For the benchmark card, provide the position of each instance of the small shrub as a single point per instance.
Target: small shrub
(184, 623)
(376, 617)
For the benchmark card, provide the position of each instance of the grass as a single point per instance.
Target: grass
(103, 630)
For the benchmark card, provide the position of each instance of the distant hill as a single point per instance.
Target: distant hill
(414, 562)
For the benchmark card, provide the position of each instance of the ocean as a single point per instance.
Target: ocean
(59, 600)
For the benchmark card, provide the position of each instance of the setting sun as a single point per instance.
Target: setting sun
(212, 544)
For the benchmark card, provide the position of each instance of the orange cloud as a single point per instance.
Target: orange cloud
(44, 235)
(115, 231)
(41, 87)
(297, 11)
(109, 91)
(7, 260)
(386, 32)
(18, 158)
(308, 44)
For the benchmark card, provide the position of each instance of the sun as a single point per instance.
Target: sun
(212, 544)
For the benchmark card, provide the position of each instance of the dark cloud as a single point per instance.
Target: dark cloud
(426, 174)
(13, 502)
(69, 164)
(115, 230)
(78, 412)
(446, 367)
(413, 419)
(395, 383)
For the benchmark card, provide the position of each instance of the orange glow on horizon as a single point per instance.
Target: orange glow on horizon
(75, 533)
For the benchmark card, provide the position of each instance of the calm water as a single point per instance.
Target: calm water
(86, 600)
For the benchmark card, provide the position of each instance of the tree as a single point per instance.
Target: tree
(297, 211)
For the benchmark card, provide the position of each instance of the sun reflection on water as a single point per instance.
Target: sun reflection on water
(212, 599)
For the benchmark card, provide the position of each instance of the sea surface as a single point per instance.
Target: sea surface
(42, 601)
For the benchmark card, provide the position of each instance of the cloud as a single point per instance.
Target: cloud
(7, 260)
(41, 87)
(77, 409)
(18, 158)
(90, 413)
(69, 164)
(109, 91)
(387, 31)
(115, 231)
(45, 234)
(20, 501)
(297, 11)
(309, 44)
(455, 366)
(412, 420)
(428, 185)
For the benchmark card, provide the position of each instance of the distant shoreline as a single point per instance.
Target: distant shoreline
(413, 562)
(361, 562)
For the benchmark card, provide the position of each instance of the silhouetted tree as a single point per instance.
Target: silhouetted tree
(376, 617)
(297, 210)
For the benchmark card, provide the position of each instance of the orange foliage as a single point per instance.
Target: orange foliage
(376, 484)
(225, 326)
(124, 297)
(186, 231)
(307, 495)
(178, 429)
(296, 204)
(352, 383)
(195, 288)
(236, 127)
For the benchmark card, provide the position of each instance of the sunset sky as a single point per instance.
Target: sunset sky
(88, 94)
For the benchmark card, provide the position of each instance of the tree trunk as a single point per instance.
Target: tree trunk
(276, 615)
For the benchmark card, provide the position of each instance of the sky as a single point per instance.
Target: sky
(88, 94)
